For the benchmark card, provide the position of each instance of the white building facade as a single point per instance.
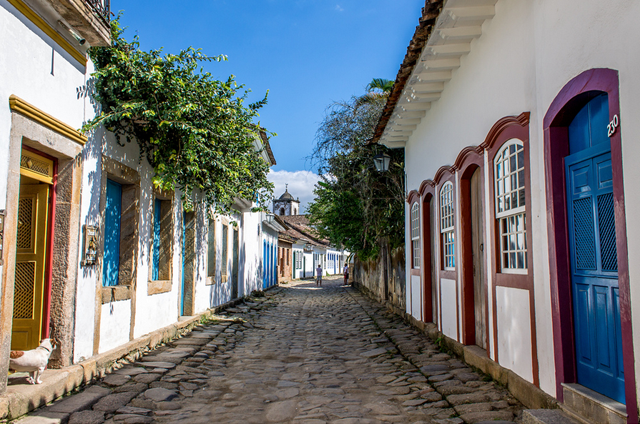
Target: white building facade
(521, 166)
(92, 254)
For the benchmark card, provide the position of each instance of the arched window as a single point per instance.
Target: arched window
(415, 235)
(281, 211)
(510, 206)
(447, 224)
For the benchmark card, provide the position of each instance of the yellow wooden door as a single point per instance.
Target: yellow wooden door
(31, 254)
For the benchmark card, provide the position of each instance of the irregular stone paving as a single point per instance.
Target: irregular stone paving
(299, 354)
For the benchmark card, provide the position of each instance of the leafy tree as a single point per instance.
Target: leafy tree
(194, 130)
(355, 205)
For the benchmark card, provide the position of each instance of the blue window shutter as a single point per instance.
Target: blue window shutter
(113, 213)
(156, 239)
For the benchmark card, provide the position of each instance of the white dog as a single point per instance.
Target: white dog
(32, 361)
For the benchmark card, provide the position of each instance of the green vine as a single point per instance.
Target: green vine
(194, 130)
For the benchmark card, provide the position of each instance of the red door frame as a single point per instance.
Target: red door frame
(556, 147)
(469, 161)
(427, 256)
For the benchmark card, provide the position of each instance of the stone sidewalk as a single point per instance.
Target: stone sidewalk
(299, 354)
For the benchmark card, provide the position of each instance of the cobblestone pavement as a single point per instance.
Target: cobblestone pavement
(299, 354)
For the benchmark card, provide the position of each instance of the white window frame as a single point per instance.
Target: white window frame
(447, 226)
(415, 235)
(511, 218)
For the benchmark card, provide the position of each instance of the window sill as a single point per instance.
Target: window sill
(159, 286)
(115, 293)
(210, 281)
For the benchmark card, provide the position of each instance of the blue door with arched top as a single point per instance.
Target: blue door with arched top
(594, 262)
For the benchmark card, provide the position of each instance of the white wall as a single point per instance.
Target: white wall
(514, 328)
(525, 55)
(36, 69)
(449, 309)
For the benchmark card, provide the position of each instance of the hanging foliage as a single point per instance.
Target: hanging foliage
(194, 130)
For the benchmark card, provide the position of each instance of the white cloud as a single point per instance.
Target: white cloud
(301, 185)
(339, 8)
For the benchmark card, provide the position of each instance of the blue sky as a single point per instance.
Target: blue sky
(307, 53)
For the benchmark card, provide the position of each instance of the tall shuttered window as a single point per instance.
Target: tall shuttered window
(161, 240)
(510, 206)
(447, 226)
(225, 252)
(415, 235)
(211, 249)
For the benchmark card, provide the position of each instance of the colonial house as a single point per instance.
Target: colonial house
(42, 104)
(92, 254)
(520, 165)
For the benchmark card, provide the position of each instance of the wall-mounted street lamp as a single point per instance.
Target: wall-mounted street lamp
(382, 161)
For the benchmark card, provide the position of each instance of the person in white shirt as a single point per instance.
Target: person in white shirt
(346, 274)
(319, 275)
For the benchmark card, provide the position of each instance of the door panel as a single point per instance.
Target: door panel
(30, 266)
(477, 237)
(594, 271)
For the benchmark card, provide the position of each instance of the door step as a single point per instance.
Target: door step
(591, 407)
(546, 416)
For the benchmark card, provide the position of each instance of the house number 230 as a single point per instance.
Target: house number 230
(611, 128)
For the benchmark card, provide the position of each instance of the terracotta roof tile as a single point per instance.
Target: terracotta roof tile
(430, 13)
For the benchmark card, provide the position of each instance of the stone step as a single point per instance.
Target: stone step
(545, 416)
(590, 406)
(81, 401)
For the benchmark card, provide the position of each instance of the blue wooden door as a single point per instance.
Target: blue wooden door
(594, 263)
(112, 215)
(264, 264)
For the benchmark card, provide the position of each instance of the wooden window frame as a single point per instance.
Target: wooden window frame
(164, 282)
(415, 235)
(212, 251)
(224, 264)
(447, 189)
(129, 179)
(504, 130)
(503, 213)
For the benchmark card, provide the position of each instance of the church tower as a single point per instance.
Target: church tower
(286, 204)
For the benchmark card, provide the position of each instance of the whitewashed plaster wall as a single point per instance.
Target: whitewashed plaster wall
(525, 55)
(448, 305)
(27, 58)
(252, 251)
(514, 328)
(34, 68)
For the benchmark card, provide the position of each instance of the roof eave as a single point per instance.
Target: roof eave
(443, 36)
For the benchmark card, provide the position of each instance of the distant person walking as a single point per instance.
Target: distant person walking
(346, 274)
(319, 275)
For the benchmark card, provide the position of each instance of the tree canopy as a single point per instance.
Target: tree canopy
(355, 205)
(195, 131)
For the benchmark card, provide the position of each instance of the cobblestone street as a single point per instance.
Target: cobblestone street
(299, 354)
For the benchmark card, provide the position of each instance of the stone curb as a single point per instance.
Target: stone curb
(19, 400)
(531, 396)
